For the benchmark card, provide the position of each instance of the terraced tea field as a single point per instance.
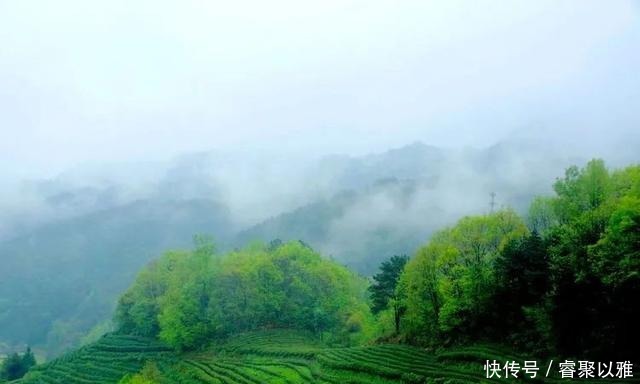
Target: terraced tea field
(103, 362)
(276, 357)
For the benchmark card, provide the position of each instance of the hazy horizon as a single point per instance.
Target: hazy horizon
(90, 83)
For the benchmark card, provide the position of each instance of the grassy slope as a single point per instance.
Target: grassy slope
(285, 357)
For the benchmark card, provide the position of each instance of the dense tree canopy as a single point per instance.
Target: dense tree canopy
(594, 259)
(186, 298)
(568, 284)
(449, 283)
(565, 279)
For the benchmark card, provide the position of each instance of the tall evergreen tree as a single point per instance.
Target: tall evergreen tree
(522, 282)
(28, 359)
(383, 290)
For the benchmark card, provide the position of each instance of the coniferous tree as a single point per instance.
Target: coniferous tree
(383, 290)
(13, 368)
(28, 359)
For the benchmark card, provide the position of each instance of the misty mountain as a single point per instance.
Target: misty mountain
(38, 202)
(411, 162)
(87, 189)
(356, 228)
(393, 201)
(62, 279)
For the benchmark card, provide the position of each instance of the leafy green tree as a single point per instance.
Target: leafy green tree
(593, 256)
(569, 287)
(187, 298)
(467, 279)
(183, 317)
(150, 374)
(138, 309)
(581, 190)
(450, 282)
(420, 288)
(384, 292)
(616, 255)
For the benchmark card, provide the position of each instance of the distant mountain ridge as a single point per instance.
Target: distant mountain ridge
(392, 201)
(61, 279)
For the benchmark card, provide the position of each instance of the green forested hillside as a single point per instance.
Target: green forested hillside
(560, 283)
(59, 281)
(568, 284)
(328, 191)
(281, 313)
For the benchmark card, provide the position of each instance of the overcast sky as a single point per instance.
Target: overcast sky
(93, 81)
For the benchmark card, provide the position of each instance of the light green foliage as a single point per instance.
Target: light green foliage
(594, 253)
(485, 278)
(449, 281)
(616, 255)
(139, 307)
(599, 218)
(187, 298)
(183, 308)
(150, 374)
(287, 286)
(581, 190)
(224, 314)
